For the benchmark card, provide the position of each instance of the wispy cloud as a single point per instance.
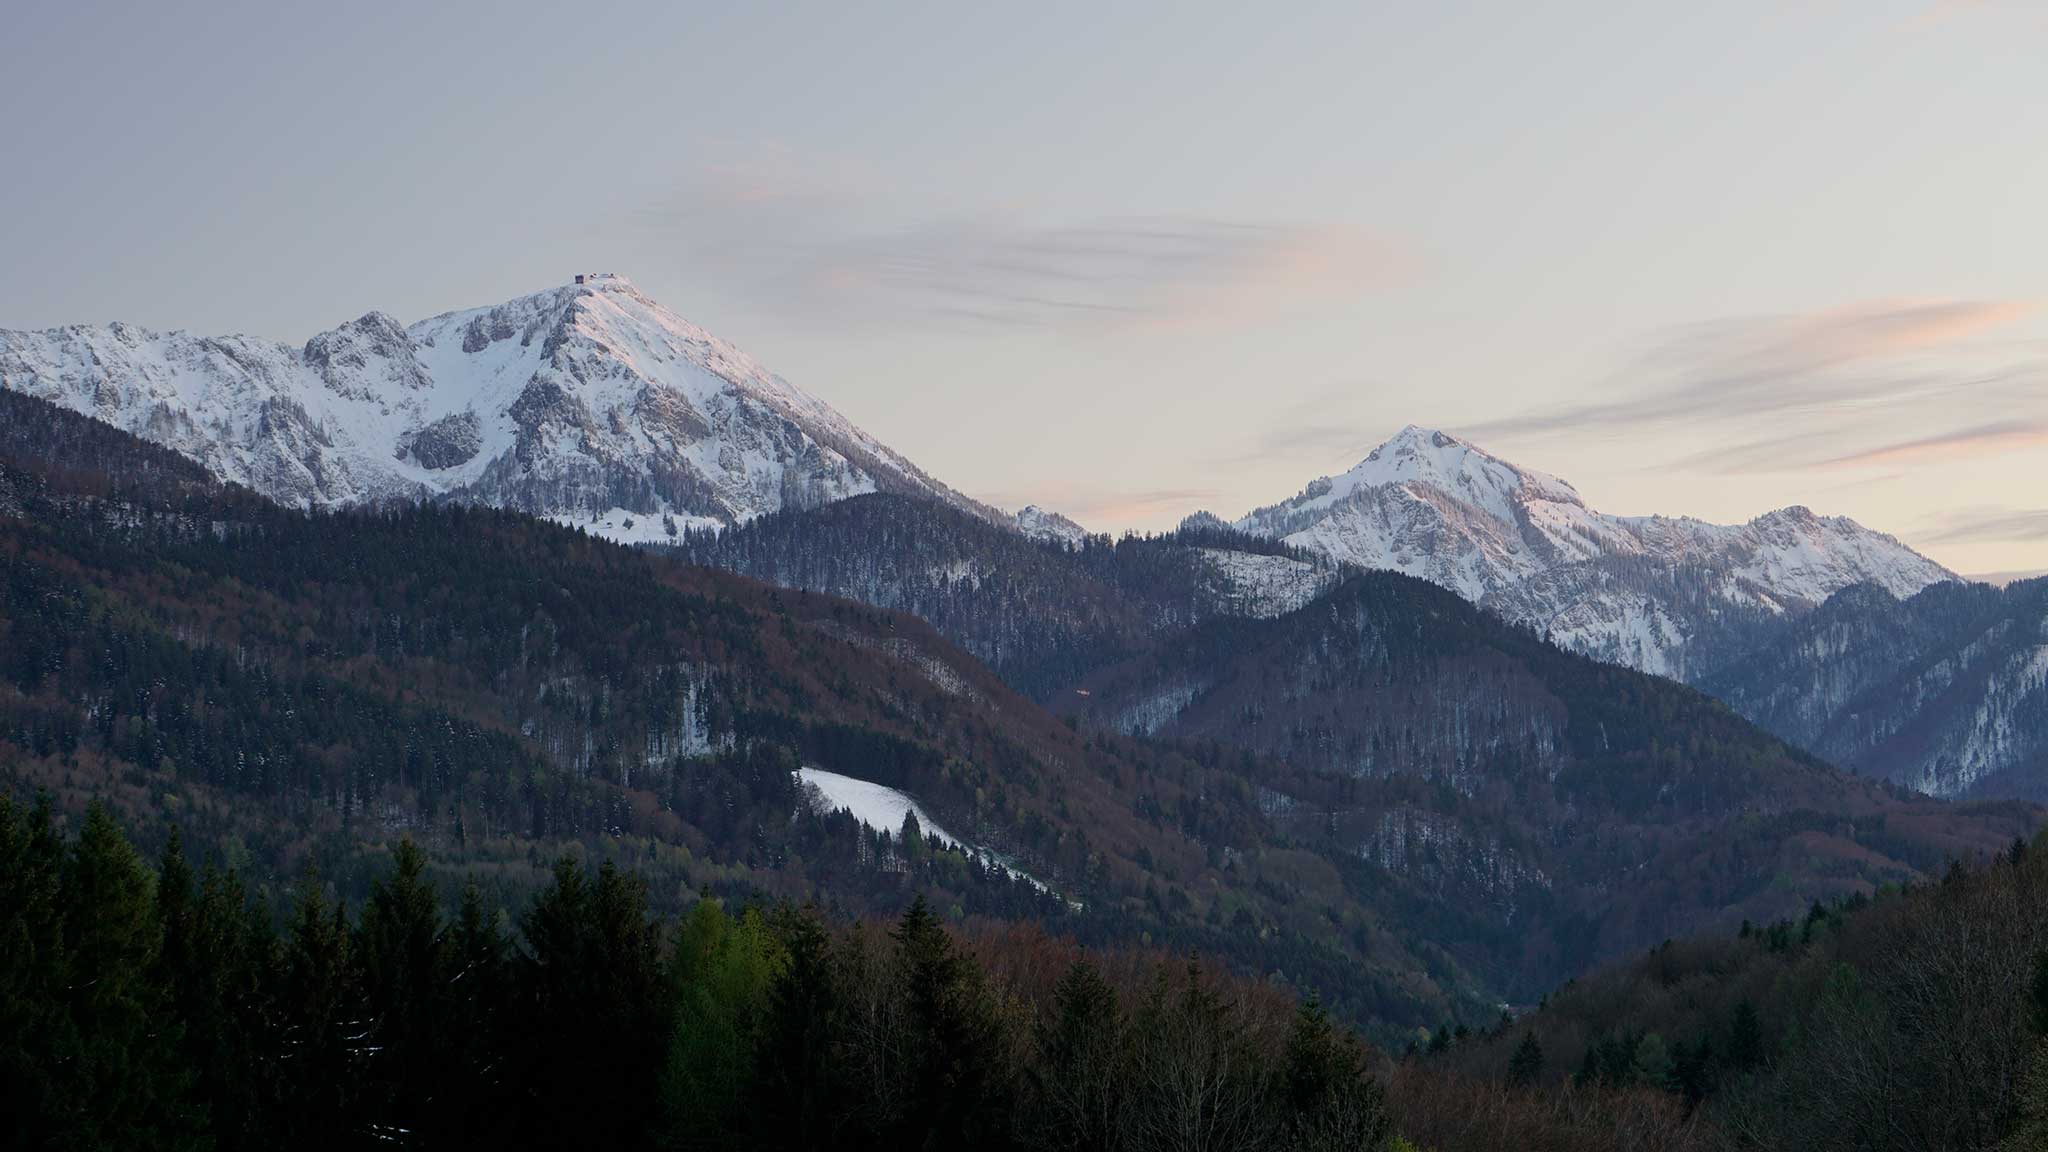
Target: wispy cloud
(1858, 355)
(1981, 440)
(805, 239)
(1851, 387)
(1319, 431)
(1988, 525)
(1104, 272)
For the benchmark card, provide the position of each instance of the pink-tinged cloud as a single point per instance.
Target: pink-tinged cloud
(1283, 266)
(1994, 439)
(814, 236)
(1891, 327)
(1096, 275)
(1995, 525)
(1744, 370)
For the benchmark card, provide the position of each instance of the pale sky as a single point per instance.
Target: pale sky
(1130, 261)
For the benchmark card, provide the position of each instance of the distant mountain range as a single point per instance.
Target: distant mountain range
(1671, 596)
(1842, 640)
(591, 404)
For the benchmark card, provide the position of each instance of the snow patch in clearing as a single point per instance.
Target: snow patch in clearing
(882, 808)
(876, 805)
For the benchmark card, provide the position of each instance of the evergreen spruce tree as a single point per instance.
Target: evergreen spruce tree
(1745, 1038)
(797, 1092)
(2030, 1132)
(913, 838)
(599, 1016)
(477, 1001)
(1653, 1063)
(1333, 1106)
(1079, 1076)
(230, 1013)
(124, 1085)
(323, 1024)
(2037, 995)
(34, 1025)
(1525, 1067)
(1693, 1070)
(404, 960)
(954, 1098)
(188, 967)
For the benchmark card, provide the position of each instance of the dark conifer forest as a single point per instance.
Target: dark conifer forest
(158, 1006)
(1911, 1018)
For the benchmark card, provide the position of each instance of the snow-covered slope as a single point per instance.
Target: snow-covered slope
(587, 403)
(1643, 591)
(1252, 584)
(883, 808)
(1945, 692)
(1042, 524)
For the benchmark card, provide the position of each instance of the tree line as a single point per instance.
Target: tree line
(1911, 1018)
(164, 1007)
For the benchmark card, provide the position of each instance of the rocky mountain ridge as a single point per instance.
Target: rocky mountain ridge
(586, 403)
(1660, 594)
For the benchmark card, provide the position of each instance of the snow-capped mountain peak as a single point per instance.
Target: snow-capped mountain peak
(586, 402)
(1424, 489)
(1426, 456)
(1812, 557)
(1524, 543)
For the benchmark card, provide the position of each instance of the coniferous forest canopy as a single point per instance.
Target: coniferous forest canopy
(160, 1007)
(436, 825)
(166, 1005)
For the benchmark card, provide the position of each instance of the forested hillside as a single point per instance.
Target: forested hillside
(161, 1007)
(1916, 1019)
(286, 686)
(1945, 691)
(1041, 613)
(1567, 808)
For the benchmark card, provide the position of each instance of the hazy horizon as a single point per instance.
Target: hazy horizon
(1130, 264)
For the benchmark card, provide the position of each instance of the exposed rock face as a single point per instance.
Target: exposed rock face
(1043, 524)
(362, 358)
(452, 440)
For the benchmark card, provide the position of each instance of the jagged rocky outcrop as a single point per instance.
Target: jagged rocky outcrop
(1043, 524)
